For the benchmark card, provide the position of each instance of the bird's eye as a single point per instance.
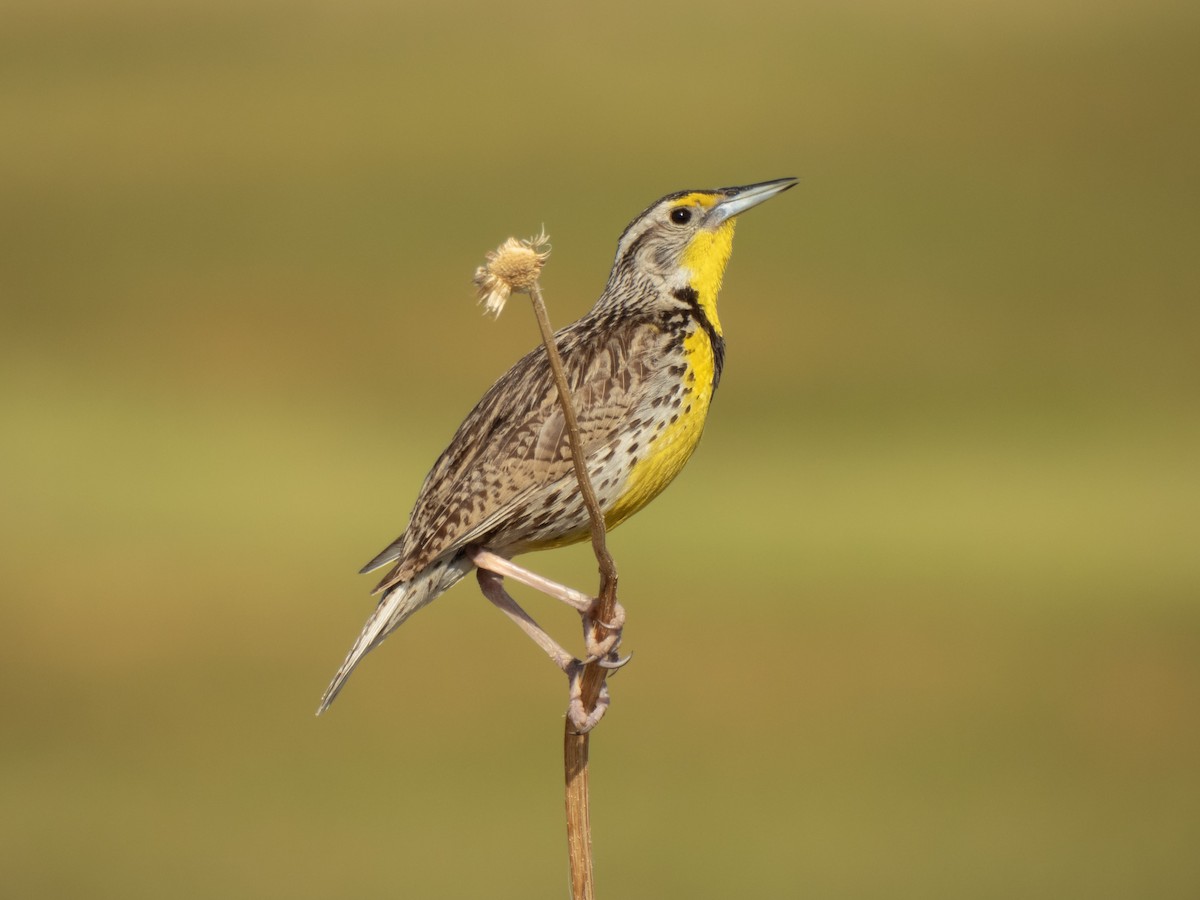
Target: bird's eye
(681, 216)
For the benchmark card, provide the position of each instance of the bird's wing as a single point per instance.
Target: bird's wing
(513, 446)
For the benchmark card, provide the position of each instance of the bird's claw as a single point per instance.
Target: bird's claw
(612, 662)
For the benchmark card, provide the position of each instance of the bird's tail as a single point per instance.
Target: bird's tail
(396, 605)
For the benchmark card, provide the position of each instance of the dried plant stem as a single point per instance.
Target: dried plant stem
(608, 569)
(575, 746)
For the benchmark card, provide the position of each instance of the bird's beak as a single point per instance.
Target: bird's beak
(740, 199)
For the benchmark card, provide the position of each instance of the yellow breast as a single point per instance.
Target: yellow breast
(662, 454)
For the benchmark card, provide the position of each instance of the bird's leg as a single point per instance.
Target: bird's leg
(598, 648)
(577, 600)
(492, 585)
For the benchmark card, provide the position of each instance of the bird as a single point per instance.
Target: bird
(642, 367)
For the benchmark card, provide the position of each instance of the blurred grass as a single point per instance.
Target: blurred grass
(937, 555)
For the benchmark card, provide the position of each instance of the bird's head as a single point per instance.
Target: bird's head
(679, 246)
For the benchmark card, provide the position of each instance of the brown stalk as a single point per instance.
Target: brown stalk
(575, 746)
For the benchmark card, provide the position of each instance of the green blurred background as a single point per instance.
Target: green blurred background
(922, 617)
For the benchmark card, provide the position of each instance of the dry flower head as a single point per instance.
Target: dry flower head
(514, 266)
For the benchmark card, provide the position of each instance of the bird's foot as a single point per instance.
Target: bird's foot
(603, 638)
(582, 721)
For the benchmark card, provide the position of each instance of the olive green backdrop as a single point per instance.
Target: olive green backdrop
(921, 618)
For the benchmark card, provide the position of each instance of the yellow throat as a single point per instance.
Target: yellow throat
(706, 258)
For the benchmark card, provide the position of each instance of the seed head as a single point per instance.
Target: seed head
(513, 266)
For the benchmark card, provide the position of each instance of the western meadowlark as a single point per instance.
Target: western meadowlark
(642, 368)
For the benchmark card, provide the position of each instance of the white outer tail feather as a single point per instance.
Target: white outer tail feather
(396, 605)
